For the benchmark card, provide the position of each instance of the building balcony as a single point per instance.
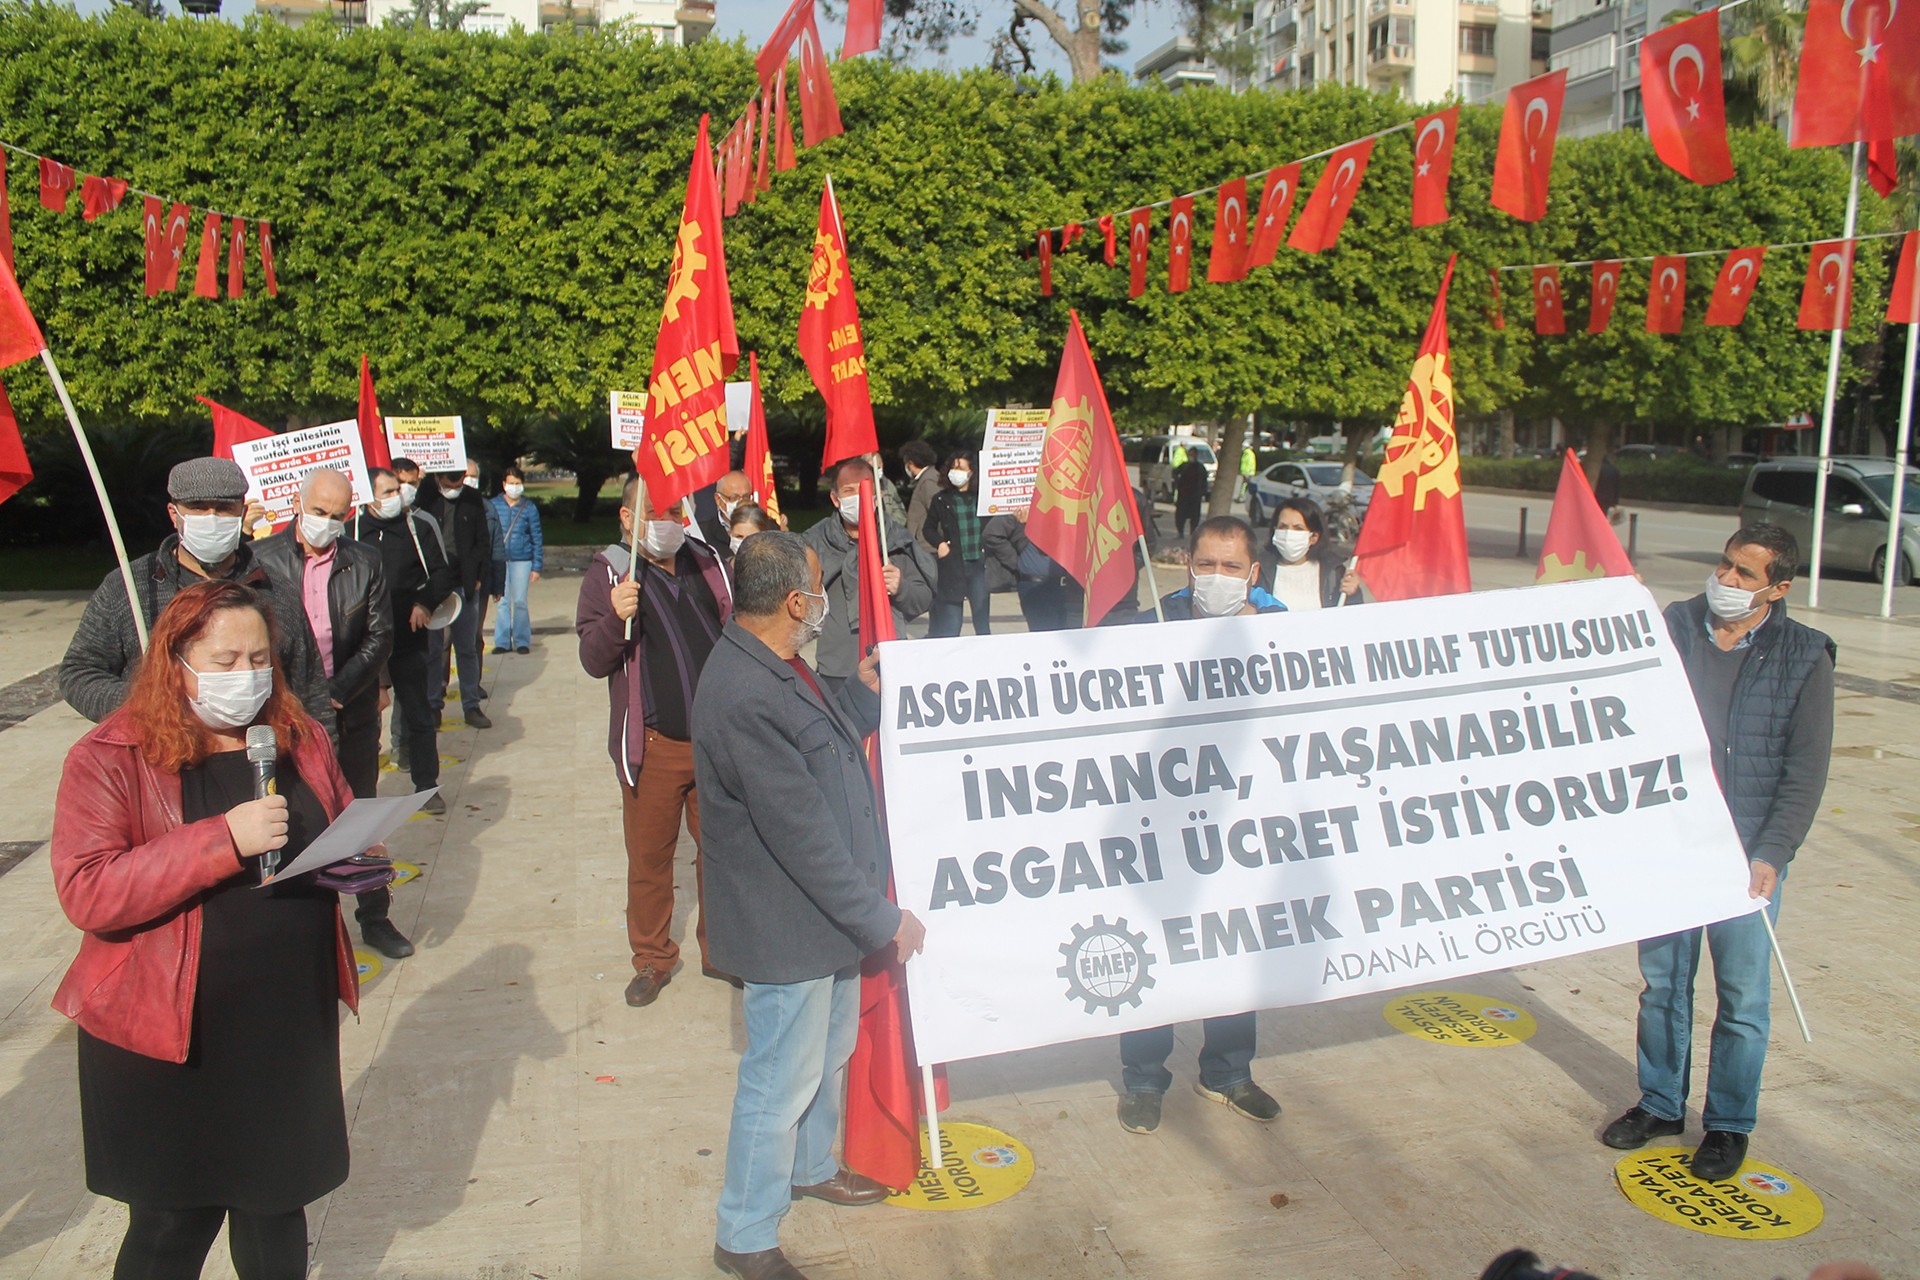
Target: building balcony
(1390, 55)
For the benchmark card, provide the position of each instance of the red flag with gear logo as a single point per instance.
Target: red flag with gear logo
(1606, 290)
(1228, 261)
(1580, 543)
(15, 469)
(1826, 299)
(1859, 73)
(1326, 209)
(1523, 165)
(1667, 294)
(1733, 289)
(1180, 244)
(1686, 111)
(1139, 236)
(1549, 316)
(1414, 540)
(830, 340)
(1277, 195)
(1433, 165)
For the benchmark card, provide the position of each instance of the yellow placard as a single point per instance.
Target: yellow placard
(979, 1166)
(403, 872)
(1461, 1018)
(1758, 1203)
(368, 964)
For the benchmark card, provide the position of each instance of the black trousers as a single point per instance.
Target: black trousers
(359, 723)
(974, 594)
(172, 1244)
(407, 669)
(1052, 604)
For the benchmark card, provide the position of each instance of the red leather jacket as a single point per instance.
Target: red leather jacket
(131, 874)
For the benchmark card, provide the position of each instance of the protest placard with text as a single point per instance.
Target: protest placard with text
(629, 412)
(1010, 458)
(276, 465)
(436, 443)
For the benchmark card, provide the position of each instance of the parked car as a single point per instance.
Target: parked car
(1152, 456)
(1859, 500)
(1316, 480)
(1647, 452)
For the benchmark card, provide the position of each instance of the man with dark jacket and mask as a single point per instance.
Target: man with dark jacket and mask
(833, 540)
(463, 520)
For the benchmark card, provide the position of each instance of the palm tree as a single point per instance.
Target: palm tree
(1763, 44)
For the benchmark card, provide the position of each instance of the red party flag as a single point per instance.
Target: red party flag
(1109, 250)
(1733, 288)
(206, 279)
(1497, 317)
(1903, 305)
(1083, 511)
(19, 333)
(1045, 250)
(1667, 295)
(830, 340)
(237, 259)
(783, 154)
(1686, 111)
(1179, 244)
(1859, 72)
(685, 443)
(1326, 209)
(101, 195)
(1826, 299)
(1228, 261)
(1414, 540)
(1139, 235)
(266, 259)
(231, 427)
(1580, 543)
(863, 28)
(56, 184)
(153, 219)
(758, 462)
(373, 428)
(1277, 194)
(1433, 165)
(6, 215)
(1606, 288)
(177, 228)
(15, 469)
(1549, 316)
(1524, 163)
(819, 109)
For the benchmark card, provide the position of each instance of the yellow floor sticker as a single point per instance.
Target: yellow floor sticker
(388, 766)
(979, 1166)
(1758, 1203)
(369, 965)
(403, 872)
(1459, 1017)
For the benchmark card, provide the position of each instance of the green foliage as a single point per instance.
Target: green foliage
(1684, 479)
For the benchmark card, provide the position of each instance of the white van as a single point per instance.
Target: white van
(1152, 457)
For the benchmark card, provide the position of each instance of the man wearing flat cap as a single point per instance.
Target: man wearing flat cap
(207, 503)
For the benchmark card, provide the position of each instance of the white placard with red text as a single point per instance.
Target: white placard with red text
(277, 465)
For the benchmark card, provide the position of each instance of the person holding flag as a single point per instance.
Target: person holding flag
(836, 541)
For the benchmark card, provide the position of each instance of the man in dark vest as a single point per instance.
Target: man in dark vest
(1764, 685)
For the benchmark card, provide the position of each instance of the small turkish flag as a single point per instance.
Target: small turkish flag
(6, 216)
(1433, 165)
(761, 177)
(1496, 316)
(819, 109)
(1826, 299)
(1903, 306)
(1326, 209)
(1228, 261)
(783, 156)
(1680, 90)
(1606, 288)
(206, 280)
(1277, 195)
(237, 259)
(863, 31)
(101, 195)
(1046, 262)
(153, 217)
(1859, 72)
(1883, 166)
(1549, 316)
(1108, 249)
(1139, 234)
(1667, 295)
(1179, 244)
(177, 228)
(266, 259)
(1733, 288)
(1523, 166)
(1071, 233)
(56, 184)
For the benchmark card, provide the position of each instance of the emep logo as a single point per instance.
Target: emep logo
(1106, 965)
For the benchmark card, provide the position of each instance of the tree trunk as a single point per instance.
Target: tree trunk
(590, 482)
(1506, 433)
(1226, 471)
(1599, 445)
(1351, 462)
(1079, 38)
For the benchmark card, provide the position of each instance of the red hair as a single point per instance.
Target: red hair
(170, 736)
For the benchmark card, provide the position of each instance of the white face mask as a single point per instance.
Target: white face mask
(231, 699)
(408, 492)
(472, 482)
(320, 531)
(1292, 544)
(450, 493)
(1729, 604)
(1218, 595)
(725, 508)
(813, 624)
(959, 479)
(663, 538)
(391, 506)
(209, 538)
(513, 490)
(735, 543)
(850, 508)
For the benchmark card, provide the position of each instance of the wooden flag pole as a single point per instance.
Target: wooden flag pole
(100, 489)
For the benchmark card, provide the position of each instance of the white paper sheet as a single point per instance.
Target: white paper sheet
(360, 826)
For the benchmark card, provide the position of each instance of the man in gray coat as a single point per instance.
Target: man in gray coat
(796, 886)
(834, 540)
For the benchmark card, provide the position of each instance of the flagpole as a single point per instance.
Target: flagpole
(1146, 558)
(933, 1115)
(1894, 531)
(1826, 416)
(1779, 958)
(100, 489)
(633, 537)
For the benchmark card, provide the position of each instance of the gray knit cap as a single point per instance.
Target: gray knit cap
(207, 480)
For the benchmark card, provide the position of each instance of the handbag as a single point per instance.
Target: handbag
(361, 873)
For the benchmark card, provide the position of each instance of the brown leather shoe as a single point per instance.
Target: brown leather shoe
(766, 1264)
(646, 986)
(845, 1188)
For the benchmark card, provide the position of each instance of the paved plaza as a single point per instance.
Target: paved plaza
(512, 1119)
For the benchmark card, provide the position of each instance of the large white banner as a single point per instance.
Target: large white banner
(1010, 458)
(1131, 826)
(277, 465)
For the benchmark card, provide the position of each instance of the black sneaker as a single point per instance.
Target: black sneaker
(1140, 1111)
(384, 938)
(1247, 1099)
(500, 648)
(1638, 1127)
(1720, 1156)
(402, 761)
(477, 719)
(435, 804)
(523, 649)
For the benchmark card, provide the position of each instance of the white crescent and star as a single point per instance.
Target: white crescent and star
(1526, 125)
(1681, 55)
(1437, 126)
(1733, 275)
(1549, 290)
(1669, 277)
(1604, 287)
(1182, 230)
(1868, 51)
(1340, 177)
(1838, 276)
(1281, 190)
(1235, 217)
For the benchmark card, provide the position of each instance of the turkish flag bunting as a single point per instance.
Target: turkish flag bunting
(1108, 249)
(1325, 212)
(1083, 510)
(819, 109)
(830, 341)
(1826, 299)
(684, 447)
(175, 232)
(231, 427)
(1549, 315)
(783, 155)
(1883, 166)
(1046, 262)
(1859, 72)
(1733, 288)
(1139, 236)
(758, 462)
(237, 259)
(1414, 540)
(1498, 317)
(773, 55)
(1606, 289)
(1903, 305)
(1228, 261)
(1680, 89)
(863, 32)
(1580, 543)
(1277, 195)
(266, 259)
(1433, 165)
(19, 333)
(153, 219)
(56, 184)
(373, 428)
(1524, 163)
(762, 175)
(1667, 295)
(101, 195)
(15, 470)
(6, 215)
(206, 278)
(1070, 233)
(1179, 244)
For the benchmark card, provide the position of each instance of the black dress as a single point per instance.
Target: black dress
(253, 1119)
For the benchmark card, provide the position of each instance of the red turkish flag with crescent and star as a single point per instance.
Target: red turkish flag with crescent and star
(1179, 244)
(101, 195)
(1043, 248)
(1433, 165)
(206, 278)
(1826, 299)
(1606, 290)
(1859, 72)
(266, 260)
(830, 341)
(783, 153)
(1680, 88)
(1733, 288)
(1903, 304)
(1325, 212)
(863, 28)
(1108, 249)
(819, 108)
(153, 220)
(1414, 540)
(237, 259)
(1228, 261)
(1139, 235)
(1549, 316)
(1523, 166)
(1497, 317)
(175, 230)
(684, 445)
(1277, 195)
(56, 184)
(1667, 295)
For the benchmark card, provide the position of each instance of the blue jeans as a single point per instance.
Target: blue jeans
(786, 1107)
(1226, 1055)
(1743, 985)
(514, 604)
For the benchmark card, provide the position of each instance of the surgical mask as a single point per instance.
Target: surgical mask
(209, 538)
(663, 538)
(450, 493)
(408, 492)
(735, 544)
(513, 490)
(1292, 544)
(231, 699)
(472, 482)
(1729, 604)
(1218, 595)
(390, 507)
(320, 531)
(813, 624)
(959, 479)
(850, 508)
(726, 508)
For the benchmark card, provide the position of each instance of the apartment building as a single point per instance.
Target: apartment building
(1596, 42)
(682, 22)
(1421, 50)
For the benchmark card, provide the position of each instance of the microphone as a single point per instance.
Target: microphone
(263, 749)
